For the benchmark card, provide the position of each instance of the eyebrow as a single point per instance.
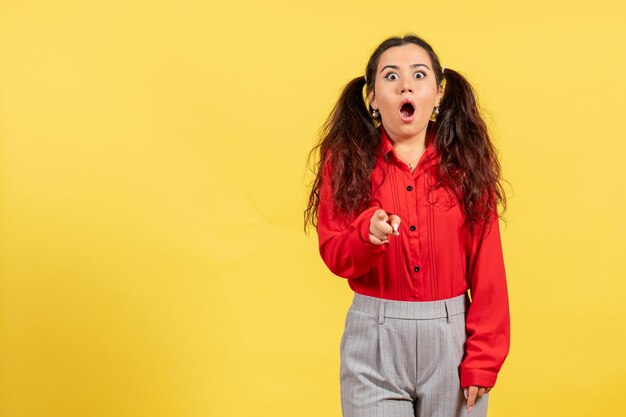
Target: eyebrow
(397, 67)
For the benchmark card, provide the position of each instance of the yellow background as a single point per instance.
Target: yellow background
(153, 181)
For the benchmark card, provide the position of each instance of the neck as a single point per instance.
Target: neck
(409, 148)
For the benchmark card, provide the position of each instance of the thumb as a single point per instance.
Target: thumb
(395, 221)
(382, 215)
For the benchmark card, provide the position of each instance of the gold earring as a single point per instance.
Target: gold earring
(433, 116)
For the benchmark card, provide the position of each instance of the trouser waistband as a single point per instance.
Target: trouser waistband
(420, 310)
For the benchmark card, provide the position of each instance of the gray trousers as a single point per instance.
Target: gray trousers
(401, 359)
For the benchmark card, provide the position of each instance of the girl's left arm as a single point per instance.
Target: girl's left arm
(488, 321)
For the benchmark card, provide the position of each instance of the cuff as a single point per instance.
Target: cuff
(478, 377)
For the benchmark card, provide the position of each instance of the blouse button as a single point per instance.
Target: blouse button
(412, 228)
(409, 188)
(416, 269)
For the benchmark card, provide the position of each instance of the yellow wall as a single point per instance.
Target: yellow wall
(152, 159)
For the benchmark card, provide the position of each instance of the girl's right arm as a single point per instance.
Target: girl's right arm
(347, 251)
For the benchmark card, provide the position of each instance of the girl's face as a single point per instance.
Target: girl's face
(405, 90)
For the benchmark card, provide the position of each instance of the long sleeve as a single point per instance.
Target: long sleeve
(345, 249)
(488, 320)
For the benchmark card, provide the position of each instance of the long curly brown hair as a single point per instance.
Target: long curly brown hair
(350, 139)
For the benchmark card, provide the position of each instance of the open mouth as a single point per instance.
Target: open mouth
(407, 110)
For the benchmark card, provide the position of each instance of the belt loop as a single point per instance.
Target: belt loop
(447, 312)
(381, 312)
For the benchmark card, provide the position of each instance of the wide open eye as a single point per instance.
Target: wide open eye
(391, 74)
(420, 72)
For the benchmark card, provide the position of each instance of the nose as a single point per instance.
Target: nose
(406, 87)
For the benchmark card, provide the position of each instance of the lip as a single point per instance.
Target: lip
(404, 118)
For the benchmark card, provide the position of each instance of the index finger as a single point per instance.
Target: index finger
(471, 398)
(395, 220)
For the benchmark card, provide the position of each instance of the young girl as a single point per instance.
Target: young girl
(405, 206)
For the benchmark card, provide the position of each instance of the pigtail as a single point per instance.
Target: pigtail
(469, 163)
(348, 142)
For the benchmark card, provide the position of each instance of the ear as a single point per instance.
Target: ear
(439, 93)
(372, 99)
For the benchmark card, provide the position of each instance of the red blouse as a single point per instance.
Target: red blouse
(433, 257)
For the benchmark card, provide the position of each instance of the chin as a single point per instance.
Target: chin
(410, 128)
(407, 129)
